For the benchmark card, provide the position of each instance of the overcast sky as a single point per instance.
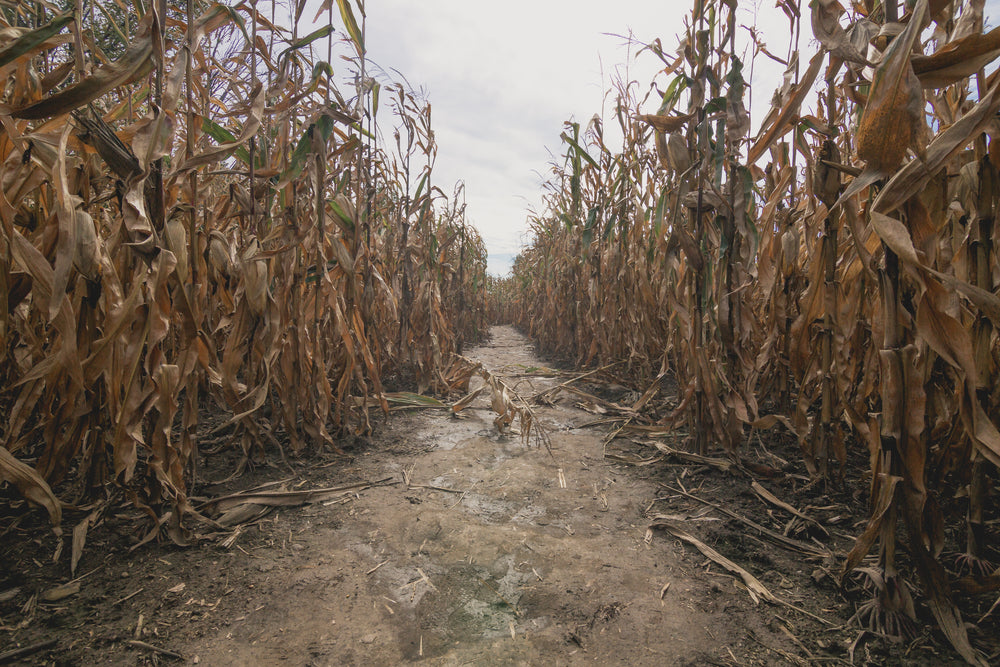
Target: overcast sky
(502, 77)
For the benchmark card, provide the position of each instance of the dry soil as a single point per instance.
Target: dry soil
(473, 549)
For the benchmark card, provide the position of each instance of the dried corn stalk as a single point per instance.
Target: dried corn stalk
(206, 214)
(861, 309)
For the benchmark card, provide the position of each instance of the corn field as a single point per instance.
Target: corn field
(196, 213)
(201, 209)
(836, 275)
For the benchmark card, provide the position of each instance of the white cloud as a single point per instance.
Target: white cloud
(501, 79)
(503, 76)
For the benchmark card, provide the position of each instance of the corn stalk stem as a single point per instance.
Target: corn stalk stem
(252, 148)
(892, 430)
(156, 211)
(982, 247)
(701, 419)
(189, 151)
(891, 10)
(829, 254)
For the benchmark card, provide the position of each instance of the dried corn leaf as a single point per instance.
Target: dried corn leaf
(788, 113)
(664, 124)
(895, 235)
(957, 59)
(285, 498)
(80, 539)
(136, 62)
(774, 500)
(882, 504)
(756, 589)
(30, 40)
(60, 592)
(827, 29)
(254, 113)
(30, 485)
(466, 400)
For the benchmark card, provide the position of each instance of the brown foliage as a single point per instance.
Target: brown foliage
(856, 304)
(208, 216)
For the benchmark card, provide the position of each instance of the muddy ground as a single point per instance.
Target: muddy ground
(459, 547)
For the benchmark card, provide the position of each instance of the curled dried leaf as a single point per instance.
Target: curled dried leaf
(136, 62)
(219, 255)
(86, 256)
(30, 485)
(826, 178)
(176, 236)
(827, 29)
(666, 124)
(255, 277)
(957, 59)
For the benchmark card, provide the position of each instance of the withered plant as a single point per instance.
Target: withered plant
(836, 274)
(200, 209)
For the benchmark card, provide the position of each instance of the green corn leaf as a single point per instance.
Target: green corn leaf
(579, 151)
(347, 14)
(588, 230)
(224, 136)
(309, 39)
(674, 90)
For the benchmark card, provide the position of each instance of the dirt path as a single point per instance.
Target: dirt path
(495, 554)
(527, 559)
